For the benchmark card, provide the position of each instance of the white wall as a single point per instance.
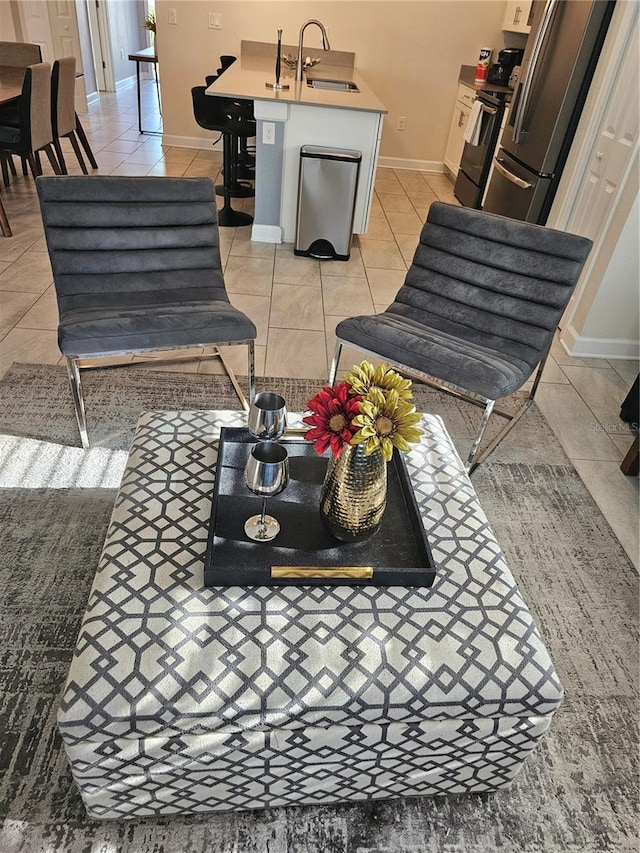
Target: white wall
(410, 54)
(126, 34)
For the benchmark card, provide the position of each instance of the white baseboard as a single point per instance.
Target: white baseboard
(125, 82)
(436, 167)
(192, 142)
(583, 347)
(266, 233)
(432, 166)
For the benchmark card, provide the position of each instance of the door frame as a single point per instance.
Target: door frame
(102, 18)
(617, 62)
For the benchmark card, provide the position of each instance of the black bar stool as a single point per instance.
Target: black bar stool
(232, 119)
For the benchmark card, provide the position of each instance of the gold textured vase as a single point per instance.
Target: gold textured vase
(354, 494)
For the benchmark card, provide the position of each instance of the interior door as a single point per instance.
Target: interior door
(66, 42)
(609, 157)
(96, 46)
(34, 20)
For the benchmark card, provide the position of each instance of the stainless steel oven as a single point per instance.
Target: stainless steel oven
(482, 138)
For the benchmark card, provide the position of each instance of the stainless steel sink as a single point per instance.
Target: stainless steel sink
(339, 85)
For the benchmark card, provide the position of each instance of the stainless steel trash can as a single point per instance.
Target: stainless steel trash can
(326, 201)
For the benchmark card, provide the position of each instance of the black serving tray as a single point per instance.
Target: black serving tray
(304, 553)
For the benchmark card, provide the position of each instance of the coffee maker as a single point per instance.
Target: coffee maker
(500, 71)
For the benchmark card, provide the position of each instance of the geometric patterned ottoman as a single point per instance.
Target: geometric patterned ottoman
(183, 699)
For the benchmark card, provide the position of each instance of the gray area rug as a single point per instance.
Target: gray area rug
(578, 792)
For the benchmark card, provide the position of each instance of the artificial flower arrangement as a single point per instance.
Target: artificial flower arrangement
(370, 407)
(149, 22)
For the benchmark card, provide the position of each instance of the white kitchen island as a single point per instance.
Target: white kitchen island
(301, 115)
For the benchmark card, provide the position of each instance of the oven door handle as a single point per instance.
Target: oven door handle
(524, 185)
(489, 110)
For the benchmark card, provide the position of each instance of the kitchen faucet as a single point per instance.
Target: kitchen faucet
(325, 45)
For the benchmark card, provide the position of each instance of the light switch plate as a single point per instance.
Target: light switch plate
(215, 21)
(173, 16)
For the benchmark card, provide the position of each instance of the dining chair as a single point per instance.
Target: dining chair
(22, 54)
(137, 270)
(19, 54)
(16, 55)
(63, 113)
(477, 311)
(27, 130)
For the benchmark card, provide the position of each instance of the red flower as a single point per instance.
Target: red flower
(333, 411)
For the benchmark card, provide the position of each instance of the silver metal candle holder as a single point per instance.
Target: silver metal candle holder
(278, 85)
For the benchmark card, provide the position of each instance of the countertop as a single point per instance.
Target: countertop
(247, 76)
(467, 75)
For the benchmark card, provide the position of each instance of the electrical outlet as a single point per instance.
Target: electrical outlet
(268, 133)
(173, 17)
(215, 21)
(402, 123)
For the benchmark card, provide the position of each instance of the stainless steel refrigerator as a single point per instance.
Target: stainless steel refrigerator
(557, 68)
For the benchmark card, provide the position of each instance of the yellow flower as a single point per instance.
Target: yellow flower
(364, 377)
(386, 421)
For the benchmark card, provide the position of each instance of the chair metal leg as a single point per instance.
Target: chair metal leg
(512, 420)
(234, 380)
(472, 464)
(333, 370)
(73, 372)
(5, 170)
(12, 165)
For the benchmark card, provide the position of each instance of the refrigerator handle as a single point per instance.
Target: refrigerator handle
(497, 164)
(525, 88)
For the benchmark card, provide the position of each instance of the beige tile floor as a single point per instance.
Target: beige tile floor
(296, 302)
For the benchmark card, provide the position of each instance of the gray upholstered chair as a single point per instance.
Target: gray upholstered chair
(477, 311)
(136, 267)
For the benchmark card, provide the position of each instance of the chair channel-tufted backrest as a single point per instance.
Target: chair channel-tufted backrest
(63, 89)
(19, 54)
(497, 282)
(111, 237)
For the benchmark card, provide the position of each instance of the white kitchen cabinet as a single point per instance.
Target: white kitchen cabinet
(517, 16)
(357, 130)
(455, 143)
